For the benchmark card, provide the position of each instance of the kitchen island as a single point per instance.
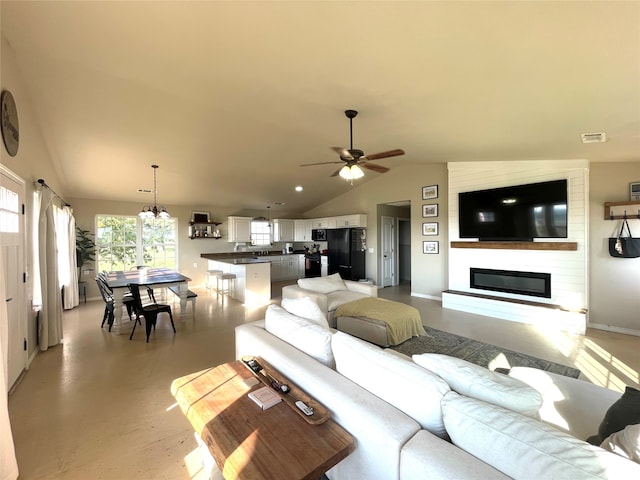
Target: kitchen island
(253, 276)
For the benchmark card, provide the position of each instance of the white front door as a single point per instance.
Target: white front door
(12, 193)
(388, 252)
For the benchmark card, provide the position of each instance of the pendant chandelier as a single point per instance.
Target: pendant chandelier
(153, 211)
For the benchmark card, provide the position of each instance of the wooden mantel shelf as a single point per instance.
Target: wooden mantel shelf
(567, 246)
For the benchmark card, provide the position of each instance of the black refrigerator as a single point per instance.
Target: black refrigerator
(346, 254)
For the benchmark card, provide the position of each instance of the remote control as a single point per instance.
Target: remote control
(308, 411)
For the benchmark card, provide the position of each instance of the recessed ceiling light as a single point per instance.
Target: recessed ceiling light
(298, 188)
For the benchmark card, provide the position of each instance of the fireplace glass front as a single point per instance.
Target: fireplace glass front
(511, 281)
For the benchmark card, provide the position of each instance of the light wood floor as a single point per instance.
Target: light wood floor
(99, 406)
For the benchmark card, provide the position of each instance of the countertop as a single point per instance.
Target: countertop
(245, 258)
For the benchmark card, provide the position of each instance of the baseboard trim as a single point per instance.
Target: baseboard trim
(614, 329)
(428, 297)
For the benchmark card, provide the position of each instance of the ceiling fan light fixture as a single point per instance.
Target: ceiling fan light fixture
(153, 211)
(345, 172)
(356, 172)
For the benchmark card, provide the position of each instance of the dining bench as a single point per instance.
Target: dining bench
(191, 296)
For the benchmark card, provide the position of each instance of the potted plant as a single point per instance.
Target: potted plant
(85, 249)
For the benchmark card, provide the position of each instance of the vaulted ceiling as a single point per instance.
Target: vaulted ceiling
(229, 98)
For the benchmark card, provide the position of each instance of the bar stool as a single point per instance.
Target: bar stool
(212, 280)
(225, 284)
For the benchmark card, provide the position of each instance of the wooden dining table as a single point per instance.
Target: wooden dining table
(118, 281)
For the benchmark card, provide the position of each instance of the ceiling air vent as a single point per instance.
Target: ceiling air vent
(144, 190)
(594, 137)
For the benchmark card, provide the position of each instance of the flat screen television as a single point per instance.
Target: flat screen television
(515, 213)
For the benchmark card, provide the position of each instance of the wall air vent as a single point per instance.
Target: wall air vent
(594, 137)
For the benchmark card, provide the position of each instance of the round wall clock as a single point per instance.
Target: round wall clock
(9, 124)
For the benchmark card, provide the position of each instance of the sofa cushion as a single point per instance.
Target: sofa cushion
(327, 284)
(625, 442)
(398, 381)
(340, 297)
(306, 308)
(304, 335)
(481, 383)
(522, 447)
(625, 411)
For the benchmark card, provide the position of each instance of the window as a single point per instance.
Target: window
(260, 232)
(9, 211)
(122, 243)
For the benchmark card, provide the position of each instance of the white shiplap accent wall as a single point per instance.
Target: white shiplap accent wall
(568, 268)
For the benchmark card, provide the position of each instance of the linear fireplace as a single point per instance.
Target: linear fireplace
(511, 281)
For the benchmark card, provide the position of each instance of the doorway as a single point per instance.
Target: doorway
(394, 220)
(12, 239)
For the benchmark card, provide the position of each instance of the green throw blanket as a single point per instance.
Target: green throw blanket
(403, 321)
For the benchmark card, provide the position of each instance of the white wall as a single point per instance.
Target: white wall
(615, 282)
(568, 268)
(32, 162)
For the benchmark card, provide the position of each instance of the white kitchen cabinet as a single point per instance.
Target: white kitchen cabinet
(239, 229)
(286, 267)
(351, 221)
(283, 230)
(302, 230)
(324, 265)
(327, 222)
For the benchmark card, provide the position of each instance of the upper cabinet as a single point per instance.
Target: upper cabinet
(283, 230)
(328, 222)
(239, 229)
(350, 221)
(302, 230)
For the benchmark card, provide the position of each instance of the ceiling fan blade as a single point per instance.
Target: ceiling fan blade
(374, 167)
(336, 173)
(390, 153)
(319, 163)
(343, 152)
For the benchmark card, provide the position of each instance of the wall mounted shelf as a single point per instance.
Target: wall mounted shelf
(567, 246)
(632, 212)
(202, 230)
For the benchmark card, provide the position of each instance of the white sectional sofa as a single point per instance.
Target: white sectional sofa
(460, 421)
(329, 292)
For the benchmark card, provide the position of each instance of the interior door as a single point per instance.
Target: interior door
(12, 193)
(388, 252)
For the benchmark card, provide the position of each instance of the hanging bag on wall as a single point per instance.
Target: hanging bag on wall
(624, 247)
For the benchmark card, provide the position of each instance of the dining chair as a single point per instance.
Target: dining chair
(107, 295)
(149, 312)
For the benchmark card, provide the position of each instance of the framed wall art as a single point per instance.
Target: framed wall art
(430, 228)
(430, 247)
(430, 210)
(430, 192)
(200, 217)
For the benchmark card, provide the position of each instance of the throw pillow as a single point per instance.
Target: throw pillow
(522, 447)
(327, 284)
(397, 380)
(625, 443)
(626, 411)
(481, 383)
(307, 337)
(306, 308)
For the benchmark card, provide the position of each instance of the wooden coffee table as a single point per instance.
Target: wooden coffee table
(248, 442)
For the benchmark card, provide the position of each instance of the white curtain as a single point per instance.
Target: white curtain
(8, 463)
(47, 283)
(65, 226)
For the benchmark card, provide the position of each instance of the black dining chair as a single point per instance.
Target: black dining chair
(107, 295)
(149, 312)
